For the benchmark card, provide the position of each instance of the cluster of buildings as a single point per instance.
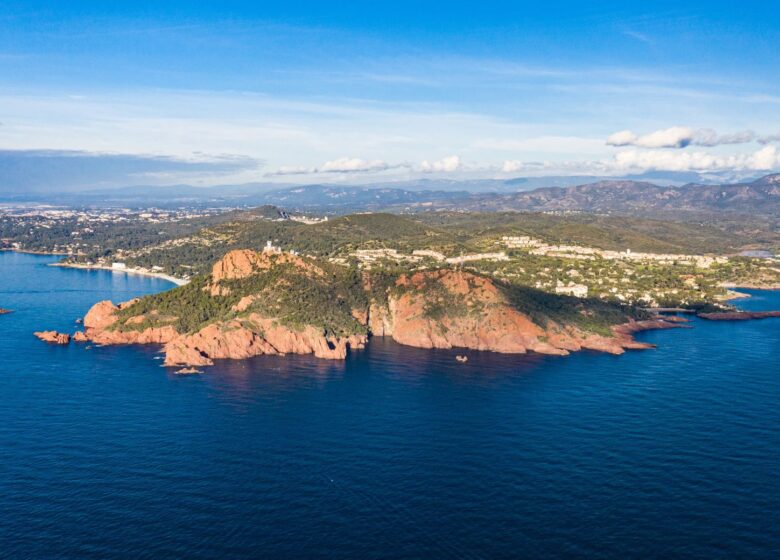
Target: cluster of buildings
(537, 247)
(373, 255)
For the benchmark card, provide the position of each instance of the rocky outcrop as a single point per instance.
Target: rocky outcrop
(53, 337)
(236, 264)
(473, 313)
(739, 315)
(254, 336)
(102, 315)
(80, 337)
(242, 263)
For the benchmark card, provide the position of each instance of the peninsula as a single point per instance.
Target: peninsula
(264, 283)
(273, 302)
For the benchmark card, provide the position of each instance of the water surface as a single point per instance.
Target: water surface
(395, 453)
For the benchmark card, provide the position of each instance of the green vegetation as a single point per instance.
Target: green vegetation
(293, 296)
(450, 233)
(97, 237)
(604, 232)
(297, 298)
(591, 315)
(191, 305)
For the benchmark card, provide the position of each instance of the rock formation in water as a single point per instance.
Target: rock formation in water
(53, 337)
(276, 303)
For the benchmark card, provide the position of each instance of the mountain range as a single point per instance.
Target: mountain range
(579, 194)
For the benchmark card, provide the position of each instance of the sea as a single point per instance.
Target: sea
(395, 452)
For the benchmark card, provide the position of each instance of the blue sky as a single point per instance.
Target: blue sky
(265, 91)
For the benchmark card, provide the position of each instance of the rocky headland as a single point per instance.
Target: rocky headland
(739, 315)
(256, 303)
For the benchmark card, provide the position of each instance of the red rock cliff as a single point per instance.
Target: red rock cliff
(473, 313)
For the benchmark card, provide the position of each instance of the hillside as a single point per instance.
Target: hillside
(277, 303)
(450, 233)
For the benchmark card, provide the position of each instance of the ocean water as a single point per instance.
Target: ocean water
(395, 453)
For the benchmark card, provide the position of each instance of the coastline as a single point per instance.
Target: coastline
(762, 287)
(160, 275)
(28, 252)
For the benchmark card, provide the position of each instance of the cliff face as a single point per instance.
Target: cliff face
(236, 340)
(260, 303)
(448, 309)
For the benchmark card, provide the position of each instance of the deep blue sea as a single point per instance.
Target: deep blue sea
(395, 453)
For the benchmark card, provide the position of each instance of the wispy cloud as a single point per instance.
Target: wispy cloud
(638, 36)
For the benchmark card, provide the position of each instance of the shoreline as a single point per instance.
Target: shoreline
(160, 275)
(28, 252)
(762, 287)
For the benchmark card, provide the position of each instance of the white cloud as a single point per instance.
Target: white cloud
(341, 165)
(353, 165)
(445, 165)
(765, 159)
(512, 166)
(622, 138)
(683, 136)
(674, 137)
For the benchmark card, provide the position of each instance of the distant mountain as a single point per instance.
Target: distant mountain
(329, 197)
(761, 196)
